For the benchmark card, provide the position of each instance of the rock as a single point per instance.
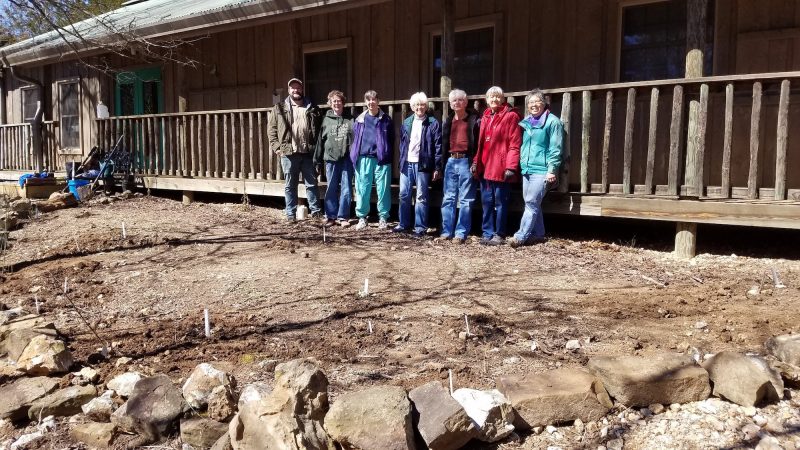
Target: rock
(57, 201)
(490, 410)
(440, 420)
(122, 361)
(769, 443)
(26, 322)
(223, 443)
(615, 444)
(89, 374)
(253, 393)
(656, 408)
(221, 404)
(64, 402)
(749, 411)
(750, 431)
(202, 433)
(789, 372)
(785, 347)
(100, 409)
(152, 408)
(290, 416)
(45, 355)
(573, 345)
(16, 397)
(94, 434)
(378, 418)
(560, 395)
(745, 380)
(124, 384)
(202, 381)
(661, 378)
(27, 441)
(16, 340)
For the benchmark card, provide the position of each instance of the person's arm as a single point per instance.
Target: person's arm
(477, 163)
(554, 150)
(319, 148)
(436, 131)
(514, 144)
(272, 131)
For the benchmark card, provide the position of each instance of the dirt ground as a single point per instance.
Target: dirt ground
(276, 291)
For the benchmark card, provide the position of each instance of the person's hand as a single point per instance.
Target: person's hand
(436, 175)
(318, 169)
(508, 175)
(550, 178)
(474, 170)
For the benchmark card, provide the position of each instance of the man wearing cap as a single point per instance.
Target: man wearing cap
(292, 130)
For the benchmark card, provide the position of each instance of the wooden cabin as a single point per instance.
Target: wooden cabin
(675, 110)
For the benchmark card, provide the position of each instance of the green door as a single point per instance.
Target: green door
(140, 92)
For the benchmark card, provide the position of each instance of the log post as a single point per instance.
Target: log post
(696, 12)
(448, 52)
(685, 240)
(188, 198)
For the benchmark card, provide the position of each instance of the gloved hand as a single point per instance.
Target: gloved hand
(508, 175)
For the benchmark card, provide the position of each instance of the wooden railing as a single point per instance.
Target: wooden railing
(16, 147)
(721, 137)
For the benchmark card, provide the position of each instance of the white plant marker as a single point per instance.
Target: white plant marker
(124, 233)
(366, 287)
(369, 325)
(466, 321)
(36, 302)
(65, 285)
(776, 279)
(207, 323)
(77, 247)
(324, 234)
(450, 375)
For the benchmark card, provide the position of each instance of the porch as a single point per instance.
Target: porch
(716, 150)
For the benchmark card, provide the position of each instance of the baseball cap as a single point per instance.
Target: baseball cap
(294, 80)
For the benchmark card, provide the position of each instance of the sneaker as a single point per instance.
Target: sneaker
(291, 219)
(444, 237)
(399, 229)
(513, 242)
(496, 240)
(317, 215)
(419, 234)
(382, 224)
(362, 224)
(343, 223)
(458, 240)
(329, 223)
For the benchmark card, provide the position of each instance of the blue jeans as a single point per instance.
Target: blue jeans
(292, 166)
(339, 194)
(494, 201)
(410, 176)
(534, 187)
(458, 184)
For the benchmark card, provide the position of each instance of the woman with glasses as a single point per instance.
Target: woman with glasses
(539, 161)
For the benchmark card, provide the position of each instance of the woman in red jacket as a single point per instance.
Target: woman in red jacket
(496, 163)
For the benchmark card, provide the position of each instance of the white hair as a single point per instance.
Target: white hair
(418, 98)
(495, 90)
(456, 94)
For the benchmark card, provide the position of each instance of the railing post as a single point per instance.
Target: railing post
(780, 148)
(586, 127)
(566, 112)
(755, 136)
(627, 149)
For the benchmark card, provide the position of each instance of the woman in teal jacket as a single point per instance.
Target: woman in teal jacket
(539, 160)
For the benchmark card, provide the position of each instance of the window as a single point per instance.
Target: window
(325, 71)
(30, 95)
(69, 114)
(653, 44)
(474, 60)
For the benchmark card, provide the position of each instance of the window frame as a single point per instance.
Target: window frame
(61, 148)
(345, 44)
(620, 24)
(23, 91)
(494, 21)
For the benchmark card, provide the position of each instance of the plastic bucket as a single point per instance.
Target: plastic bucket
(73, 186)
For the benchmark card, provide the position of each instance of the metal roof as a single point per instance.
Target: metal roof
(154, 19)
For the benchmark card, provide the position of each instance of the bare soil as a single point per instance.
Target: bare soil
(279, 291)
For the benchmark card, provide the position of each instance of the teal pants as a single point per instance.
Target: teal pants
(367, 172)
